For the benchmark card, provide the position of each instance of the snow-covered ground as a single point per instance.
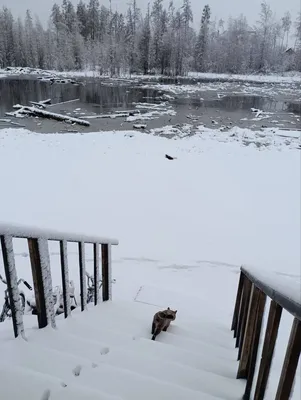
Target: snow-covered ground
(184, 226)
(288, 77)
(273, 78)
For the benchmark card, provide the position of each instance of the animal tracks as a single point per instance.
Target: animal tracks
(104, 351)
(77, 370)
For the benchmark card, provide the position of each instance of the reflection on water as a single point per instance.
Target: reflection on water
(105, 97)
(239, 102)
(22, 91)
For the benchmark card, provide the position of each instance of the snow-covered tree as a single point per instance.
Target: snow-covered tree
(162, 41)
(202, 40)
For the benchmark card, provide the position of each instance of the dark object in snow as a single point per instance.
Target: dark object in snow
(162, 320)
(169, 157)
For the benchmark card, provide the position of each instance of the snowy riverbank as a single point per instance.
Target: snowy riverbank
(286, 77)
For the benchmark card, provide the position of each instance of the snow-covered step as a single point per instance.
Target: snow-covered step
(23, 383)
(106, 332)
(223, 367)
(114, 320)
(40, 358)
(68, 368)
(75, 344)
(163, 369)
(194, 327)
(134, 385)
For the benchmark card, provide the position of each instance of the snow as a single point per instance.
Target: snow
(273, 78)
(292, 77)
(185, 227)
(34, 232)
(290, 290)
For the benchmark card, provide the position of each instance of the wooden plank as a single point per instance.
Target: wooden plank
(237, 303)
(255, 342)
(268, 349)
(248, 337)
(37, 278)
(243, 314)
(12, 284)
(290, 362)
(65, 278)
(82, 275)
(96, 272)
(105, 272)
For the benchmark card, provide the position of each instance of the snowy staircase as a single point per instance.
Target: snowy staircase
(106, 353)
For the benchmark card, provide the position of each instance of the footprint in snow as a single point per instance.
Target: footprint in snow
(46, 395)
(94, 365)
(104, 351)
(63, 384)
(77, 370)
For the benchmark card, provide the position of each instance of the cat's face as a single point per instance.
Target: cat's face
(171, 314)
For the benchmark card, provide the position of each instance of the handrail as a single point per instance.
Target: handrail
(288, 298)
(26, 232)
(41, 272)
(253, 288)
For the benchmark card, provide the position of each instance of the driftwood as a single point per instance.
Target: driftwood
(64, 102)
(116, 114)
(139, 126)
(24, 110)
(41, 104)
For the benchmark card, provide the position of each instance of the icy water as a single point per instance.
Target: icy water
(102, 97)
(212, 104)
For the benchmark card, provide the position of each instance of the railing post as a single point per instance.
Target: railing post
(65, 278)
(243, 313)
(96, 272)
(237, 304)
(290, 362)
(12, 284)
(41, 275)
(248, 336)
(255, 342)
(268, 349)
(82, 275)
(106, 272)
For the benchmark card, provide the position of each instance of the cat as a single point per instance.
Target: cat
(162, 320)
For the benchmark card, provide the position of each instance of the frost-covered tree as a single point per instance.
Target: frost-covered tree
(202, 40)
(162, 41)
(144, 43)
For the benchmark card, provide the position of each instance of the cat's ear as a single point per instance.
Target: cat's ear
(176, 311)
(168, 308)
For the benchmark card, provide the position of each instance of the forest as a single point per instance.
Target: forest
(163, 40)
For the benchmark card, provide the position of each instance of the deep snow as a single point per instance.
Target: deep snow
(184, 227)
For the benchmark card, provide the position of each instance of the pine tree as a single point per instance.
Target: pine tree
(144, 44)
(202, 40)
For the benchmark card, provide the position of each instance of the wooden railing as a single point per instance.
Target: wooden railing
(253, 289)
(41, 273)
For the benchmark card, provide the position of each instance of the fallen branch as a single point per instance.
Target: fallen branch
(46, 114)
(64, 102)
(139, 126)
(41, 104)
(117, 114)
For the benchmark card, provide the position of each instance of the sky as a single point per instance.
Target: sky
(220, 8)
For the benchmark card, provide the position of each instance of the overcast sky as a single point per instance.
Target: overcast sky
(220, 8)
